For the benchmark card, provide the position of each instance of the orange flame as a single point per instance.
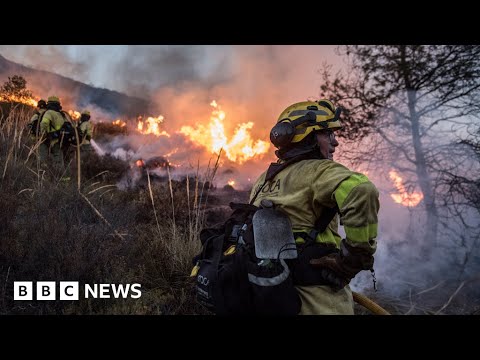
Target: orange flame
(239, 148)
(231, 182)
(119, 122)
(75, 115)
(139, 163)
(403, 197)
(24, 100)
(152, 126)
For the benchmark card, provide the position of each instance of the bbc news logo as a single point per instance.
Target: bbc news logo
(69, 290)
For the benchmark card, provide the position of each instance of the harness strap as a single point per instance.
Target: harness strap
(275, 168)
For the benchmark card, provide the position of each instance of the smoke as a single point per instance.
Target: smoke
(250, 83)
(411, 268)
(51, 58)
(142, 69)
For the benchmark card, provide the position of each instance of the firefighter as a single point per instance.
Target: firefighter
(85, 130)
(51, 148)
(310, 189)
(34, 124)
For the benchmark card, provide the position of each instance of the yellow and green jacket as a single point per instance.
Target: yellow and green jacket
(85, 128)
(38, 114)
(51, 121)
(304, 191)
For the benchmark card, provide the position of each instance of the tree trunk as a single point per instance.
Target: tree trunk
(430, 239)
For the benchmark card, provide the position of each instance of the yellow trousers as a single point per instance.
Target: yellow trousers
(322, 300)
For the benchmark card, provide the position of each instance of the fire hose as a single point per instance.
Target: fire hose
(369, 304)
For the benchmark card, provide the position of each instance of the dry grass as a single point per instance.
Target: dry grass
(100, 234)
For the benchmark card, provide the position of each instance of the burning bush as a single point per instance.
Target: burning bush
(106, 130)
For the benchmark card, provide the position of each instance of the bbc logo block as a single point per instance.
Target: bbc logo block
(22, 290)
(69, 290)
(45, 290)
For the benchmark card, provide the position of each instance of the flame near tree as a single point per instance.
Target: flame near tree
(403, 196)
(15, 90)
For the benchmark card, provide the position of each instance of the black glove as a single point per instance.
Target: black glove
(340, 268)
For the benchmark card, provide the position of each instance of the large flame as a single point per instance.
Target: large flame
(239, 148)
(24, 100)
(151, 126)
(33, 101)
(403, 197)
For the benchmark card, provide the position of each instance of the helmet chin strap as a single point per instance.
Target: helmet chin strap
(307, 148)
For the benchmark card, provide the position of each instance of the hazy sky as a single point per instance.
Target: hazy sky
(142, 70)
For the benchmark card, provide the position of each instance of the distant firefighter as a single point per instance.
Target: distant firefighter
(34, 124)
(57, 131)
(85, 130)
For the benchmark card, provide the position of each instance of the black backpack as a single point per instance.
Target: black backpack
(231, 280)
(34, 125)
(66, 133)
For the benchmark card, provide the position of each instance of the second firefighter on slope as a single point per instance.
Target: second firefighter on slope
(85, 131)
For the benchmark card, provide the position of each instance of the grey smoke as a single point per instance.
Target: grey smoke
(136, 70)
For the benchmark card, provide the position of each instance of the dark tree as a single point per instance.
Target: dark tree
(15, 89)
(405, 106)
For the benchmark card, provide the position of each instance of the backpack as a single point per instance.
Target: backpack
(66, 133)
(231, 280)
(33, 126)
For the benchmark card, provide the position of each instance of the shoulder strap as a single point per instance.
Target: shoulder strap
(275, 168)
(64, 115)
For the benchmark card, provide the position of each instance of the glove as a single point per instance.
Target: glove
(340, 268)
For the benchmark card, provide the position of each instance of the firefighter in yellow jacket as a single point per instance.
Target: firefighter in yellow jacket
(51, 122)
(311, 189)
(34, 125)
(85, 130)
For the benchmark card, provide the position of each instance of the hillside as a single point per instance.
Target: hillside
(74, 94)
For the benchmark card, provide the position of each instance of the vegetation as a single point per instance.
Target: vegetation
(51, 231)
